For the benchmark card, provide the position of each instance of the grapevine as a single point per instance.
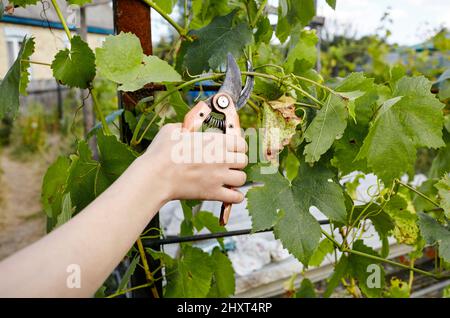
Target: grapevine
(339, 125)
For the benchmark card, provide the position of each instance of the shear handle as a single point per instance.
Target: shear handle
(194, 119)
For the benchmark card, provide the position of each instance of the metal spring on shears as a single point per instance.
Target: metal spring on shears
(214, 122)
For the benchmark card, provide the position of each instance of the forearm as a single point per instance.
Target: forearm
(95, 240)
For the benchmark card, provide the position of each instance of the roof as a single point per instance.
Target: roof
(99, 16)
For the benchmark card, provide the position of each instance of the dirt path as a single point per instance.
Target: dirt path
(22, 220)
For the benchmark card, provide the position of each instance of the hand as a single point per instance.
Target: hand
(197, 165)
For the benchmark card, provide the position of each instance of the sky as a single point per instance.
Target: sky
(412, 20)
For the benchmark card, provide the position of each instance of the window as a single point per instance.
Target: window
(14, 38)
(13, 45)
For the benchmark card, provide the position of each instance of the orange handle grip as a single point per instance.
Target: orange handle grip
(194, 119)
(233, 127)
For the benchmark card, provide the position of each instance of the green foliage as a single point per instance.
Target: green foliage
(16, 80)
(23, 3)
(411, 118)
(191, 275)
(359, 268)
(443, 187)
(398, 289)
(306, 290)
(214, 41)
(83, 177)
(286, 205)
(166, 5)
(122, 60)
(330, 124)
(75, 67)
(435, 233)
(223, 282)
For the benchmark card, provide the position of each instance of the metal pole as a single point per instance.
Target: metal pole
(134, 16)
(60, 102)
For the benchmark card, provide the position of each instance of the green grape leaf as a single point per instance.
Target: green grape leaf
(292, 14)
(75, 67)
(223, 281)
(428, 188)
(325, 247)
(15, 80)
(23, 3)
(88, 178)
(340, 271)
(280, 122)
(291, 165)
(363, 269)
(53, 186)
(332, 3)
(25, 66)
(126, 277)
(66, 210)
(191, 275)
(286, 205)
(441, 163)
(205, 10)
(444, 85)
(264, 31)
(166, 5)
(398, 289)
(329, 123)
(443, 187)
(122, 60)
(204, 219)
(412, 118)
(405, 230)
(303, 53)
(84, 181)
(214, 41)
(433, 233)
(178, 104)
(347, 147)
(306, 289)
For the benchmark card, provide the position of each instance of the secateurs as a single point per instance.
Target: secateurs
(220, 110)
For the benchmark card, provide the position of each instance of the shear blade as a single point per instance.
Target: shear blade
(232, 84)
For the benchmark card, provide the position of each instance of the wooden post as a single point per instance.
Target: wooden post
(134, 16)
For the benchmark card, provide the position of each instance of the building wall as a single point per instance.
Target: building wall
(48, 42)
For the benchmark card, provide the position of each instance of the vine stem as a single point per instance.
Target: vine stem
(278, 79)
(411, 274)
(61, 19)
(135, 140)
(180, 30)
(148, 273)
(305, 79)
(380, 259)
(186, 14)
(99, 113)
(129, 289)
(258, 14)
(417, 192)
(36, 62)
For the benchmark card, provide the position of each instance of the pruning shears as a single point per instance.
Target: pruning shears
(220, 110)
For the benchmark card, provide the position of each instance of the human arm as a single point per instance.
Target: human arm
(98, 237)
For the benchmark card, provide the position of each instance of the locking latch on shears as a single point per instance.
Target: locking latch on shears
(220, 110)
